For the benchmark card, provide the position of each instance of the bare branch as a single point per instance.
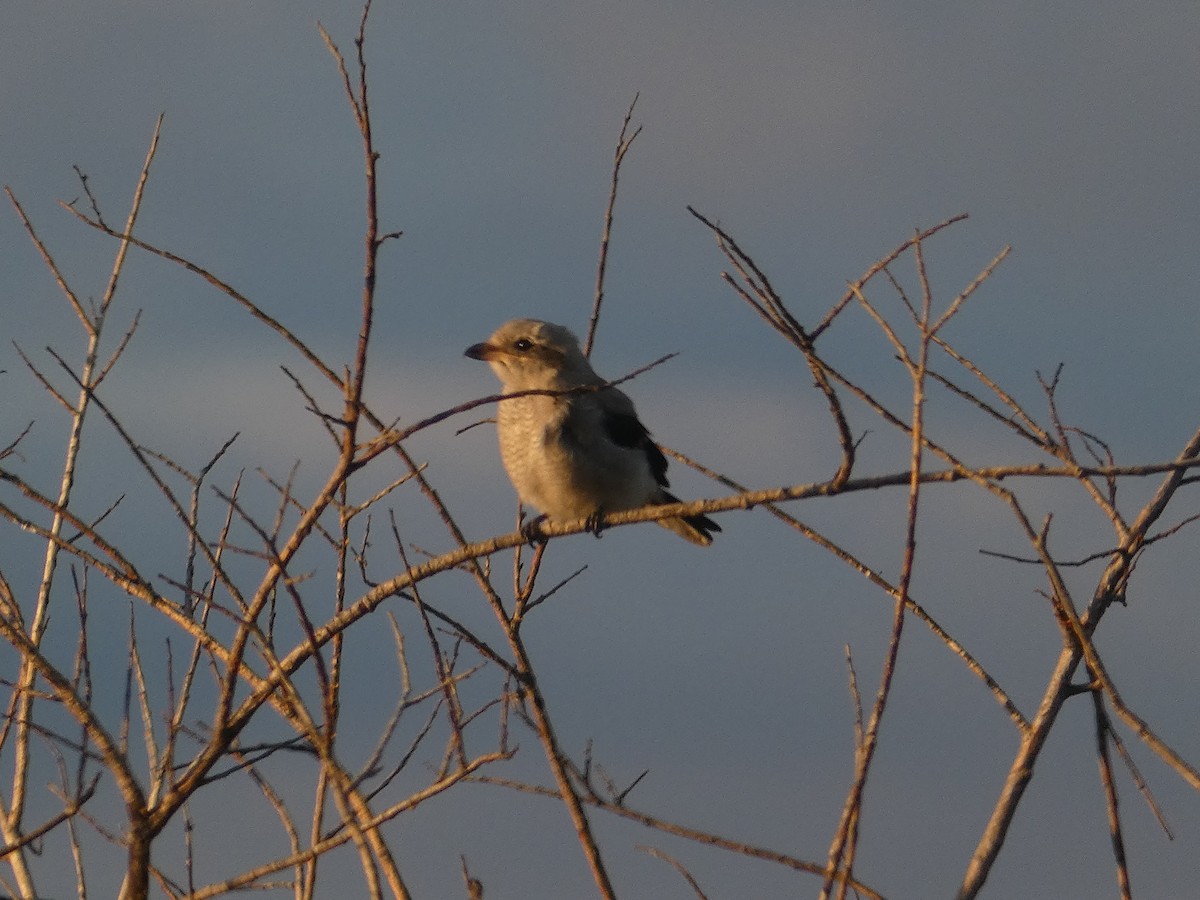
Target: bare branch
(624, 142)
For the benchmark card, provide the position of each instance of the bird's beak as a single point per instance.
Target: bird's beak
(482, 351)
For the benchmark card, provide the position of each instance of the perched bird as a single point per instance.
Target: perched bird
(574, 455)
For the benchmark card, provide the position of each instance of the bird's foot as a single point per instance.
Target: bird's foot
(532, 530)
(595, 522)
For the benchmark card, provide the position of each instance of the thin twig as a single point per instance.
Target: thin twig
(624, 142)
(1103, 727)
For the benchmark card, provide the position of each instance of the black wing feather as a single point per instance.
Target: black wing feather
(627, 431)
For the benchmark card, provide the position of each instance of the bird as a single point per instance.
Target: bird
(581, 453)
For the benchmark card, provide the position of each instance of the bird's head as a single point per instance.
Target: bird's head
(528, 354)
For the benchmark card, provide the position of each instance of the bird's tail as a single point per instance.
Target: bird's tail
(697, 529)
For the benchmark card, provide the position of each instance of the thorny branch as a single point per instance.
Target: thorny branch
(266, 629)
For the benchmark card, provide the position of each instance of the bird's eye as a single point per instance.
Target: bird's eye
(523, 344)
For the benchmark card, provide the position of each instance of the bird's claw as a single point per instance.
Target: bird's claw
(595, 523)
(532, 530)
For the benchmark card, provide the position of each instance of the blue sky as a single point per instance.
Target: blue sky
(821, 135)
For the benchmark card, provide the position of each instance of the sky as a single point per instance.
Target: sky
(820, 135)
